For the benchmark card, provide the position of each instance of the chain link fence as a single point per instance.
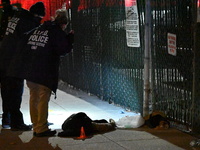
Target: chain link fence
(102, 64)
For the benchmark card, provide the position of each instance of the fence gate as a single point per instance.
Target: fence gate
(172, 56)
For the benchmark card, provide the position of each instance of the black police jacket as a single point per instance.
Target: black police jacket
(39, 54)
(23, 21)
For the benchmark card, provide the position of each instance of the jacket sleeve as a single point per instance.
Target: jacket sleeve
(64, 44)
(70, 37)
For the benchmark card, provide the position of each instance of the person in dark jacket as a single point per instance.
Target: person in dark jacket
(6, 12)
(38, 63)
(73, 124)
(12, 87)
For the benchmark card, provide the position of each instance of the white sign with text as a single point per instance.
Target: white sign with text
(132, 24)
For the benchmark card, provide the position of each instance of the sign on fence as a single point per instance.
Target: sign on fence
(171, 40)
(132, 24)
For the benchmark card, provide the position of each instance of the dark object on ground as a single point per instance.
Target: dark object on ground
(73, 124)
(157, 121)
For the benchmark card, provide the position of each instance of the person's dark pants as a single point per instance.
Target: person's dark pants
(11, 93)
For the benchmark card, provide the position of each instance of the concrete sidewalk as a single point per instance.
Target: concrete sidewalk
(71, 101)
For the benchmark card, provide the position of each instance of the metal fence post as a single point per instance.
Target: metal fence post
(147, 53)
(196, 65)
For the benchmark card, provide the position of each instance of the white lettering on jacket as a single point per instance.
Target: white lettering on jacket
(12, 25)
(38, 39)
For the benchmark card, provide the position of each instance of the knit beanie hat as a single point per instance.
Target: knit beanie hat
(38, 9)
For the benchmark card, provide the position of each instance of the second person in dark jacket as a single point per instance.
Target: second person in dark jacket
(38, 63)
